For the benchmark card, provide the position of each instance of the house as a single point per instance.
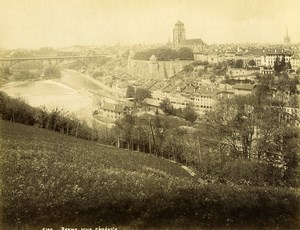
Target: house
(114, 111)
(240, 72)
(188, 90)
(210, 57)
(152, 102)
(204, 99)
(294, 114)
(295, 61)
(266, 70)
(225, 94)
(269, 57)
(243, 89)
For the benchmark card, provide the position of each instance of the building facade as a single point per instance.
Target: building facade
(180, 41)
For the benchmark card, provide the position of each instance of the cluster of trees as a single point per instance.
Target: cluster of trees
(187, 113)
(27, 74)
(251, 63)
(165, 54)
(5, 72)
(138, 94)
(258, 127)
(52, 72)
(281, 65)
(239, 63)
(146, 133)
(232, 81)
(17, 110)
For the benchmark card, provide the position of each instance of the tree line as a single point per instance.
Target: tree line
(57, 120)
(8, 73)
(165, 54)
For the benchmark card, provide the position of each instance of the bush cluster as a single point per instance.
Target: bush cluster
(17, 110)
(165, 54)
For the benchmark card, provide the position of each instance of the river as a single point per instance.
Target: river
(73, 92)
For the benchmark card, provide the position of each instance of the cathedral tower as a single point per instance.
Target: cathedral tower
(178, 33)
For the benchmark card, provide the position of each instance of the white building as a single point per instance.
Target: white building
(295, 61)
(269, 58)
(204, 99)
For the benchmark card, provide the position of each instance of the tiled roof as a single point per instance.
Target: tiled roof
(153, 102)
(206, 91)
(169, 89)
(244, 86)
(196, 41)
(113, 107)
(189, 89)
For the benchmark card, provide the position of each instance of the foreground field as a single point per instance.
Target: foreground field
(50, 179)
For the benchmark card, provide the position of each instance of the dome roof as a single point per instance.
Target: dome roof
(179, 23)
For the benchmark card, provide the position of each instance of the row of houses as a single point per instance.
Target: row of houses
(202, 97)
(262, 57)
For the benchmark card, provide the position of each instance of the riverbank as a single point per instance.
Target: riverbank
(74, 92)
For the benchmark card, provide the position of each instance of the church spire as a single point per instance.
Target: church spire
(287, 39)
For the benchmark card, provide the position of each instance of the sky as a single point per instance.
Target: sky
(60, 23)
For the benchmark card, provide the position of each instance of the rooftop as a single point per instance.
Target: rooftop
(244, 86)
(114, 107)
(179, 23)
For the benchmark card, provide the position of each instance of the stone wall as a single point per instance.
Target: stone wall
(153, 69)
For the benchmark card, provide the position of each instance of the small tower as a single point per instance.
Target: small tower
(287, 38)
(178, 34)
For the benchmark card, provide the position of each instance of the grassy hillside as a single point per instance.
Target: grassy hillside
(49, 179)
(47, 170)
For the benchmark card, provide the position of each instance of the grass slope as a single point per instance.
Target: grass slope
(50, 179)
(43, 170)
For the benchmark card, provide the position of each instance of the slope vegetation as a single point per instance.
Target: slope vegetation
(54, 180)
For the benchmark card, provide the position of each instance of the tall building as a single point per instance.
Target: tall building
(178, 33)
(179, 39)
(287, 38)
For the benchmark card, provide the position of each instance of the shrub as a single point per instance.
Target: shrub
(251, 173)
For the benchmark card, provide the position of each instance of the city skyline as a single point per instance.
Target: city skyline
(33, 24)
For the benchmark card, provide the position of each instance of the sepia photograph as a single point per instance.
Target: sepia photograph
(149, 114)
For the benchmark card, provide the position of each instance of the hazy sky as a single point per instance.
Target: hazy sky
(57, 23)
